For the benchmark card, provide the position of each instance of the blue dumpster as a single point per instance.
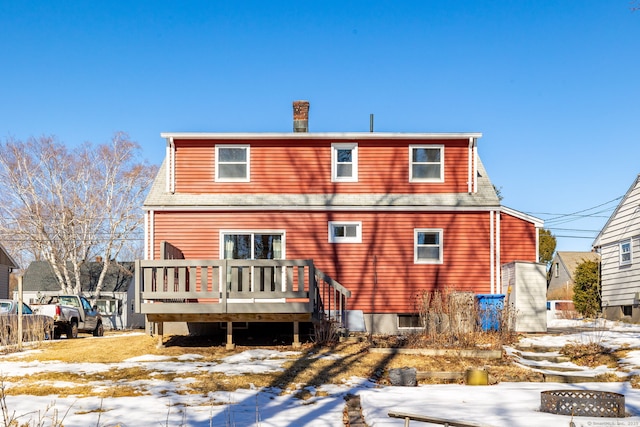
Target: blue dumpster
(490, 311)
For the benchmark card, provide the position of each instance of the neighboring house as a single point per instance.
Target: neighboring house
(7, 265)
(116, 300)
(384, 217)
(619, 246)
(561, 276)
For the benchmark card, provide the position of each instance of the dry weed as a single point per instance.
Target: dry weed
(590, 354)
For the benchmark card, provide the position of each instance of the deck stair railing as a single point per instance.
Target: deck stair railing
(331, 300)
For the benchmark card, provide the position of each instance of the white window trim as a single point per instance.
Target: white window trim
(353, 146)
(334, 239)
(248, 163)
(415, 246)
(253, 232)
(441, 178)
(630, 261)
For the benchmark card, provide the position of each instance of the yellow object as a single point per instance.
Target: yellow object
(476, 377)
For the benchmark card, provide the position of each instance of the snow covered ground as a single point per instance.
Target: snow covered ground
(505, 404)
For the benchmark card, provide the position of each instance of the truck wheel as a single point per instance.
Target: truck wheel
(73, 330)
(56, 333)
(98, 331)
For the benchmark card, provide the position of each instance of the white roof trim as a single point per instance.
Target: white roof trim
(596, 242)
(322, 208)
(320, 135)
(537, 221)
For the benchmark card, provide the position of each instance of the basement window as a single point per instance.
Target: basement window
(406, 321)
(627, 310)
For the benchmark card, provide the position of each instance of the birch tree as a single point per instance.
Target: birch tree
(69, 206)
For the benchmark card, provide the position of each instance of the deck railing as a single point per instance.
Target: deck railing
(238, 286)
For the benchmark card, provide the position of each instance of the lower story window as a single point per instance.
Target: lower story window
(427, 246)
(252, 245)
(345, 232)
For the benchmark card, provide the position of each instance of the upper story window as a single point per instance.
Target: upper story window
(427, 246)
(232, 163)
(625, 253)
(345, 232)
(426, 163)
(344, 162)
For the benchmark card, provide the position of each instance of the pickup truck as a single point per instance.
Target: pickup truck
(71, 314)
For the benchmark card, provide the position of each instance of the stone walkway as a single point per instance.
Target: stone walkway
(353, 412)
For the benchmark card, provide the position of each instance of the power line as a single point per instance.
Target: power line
(561, 218)
(574, 229)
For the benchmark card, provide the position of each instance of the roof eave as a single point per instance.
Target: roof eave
(317, 135)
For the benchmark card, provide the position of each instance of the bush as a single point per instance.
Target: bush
(586, 289)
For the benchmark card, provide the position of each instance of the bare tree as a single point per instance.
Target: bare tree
(71, 206)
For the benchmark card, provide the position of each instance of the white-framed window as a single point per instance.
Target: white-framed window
(345, 231)
(252, 244)
(344, 162)
(232, 163)
(426, 163)
(626, 257)
(427, 246)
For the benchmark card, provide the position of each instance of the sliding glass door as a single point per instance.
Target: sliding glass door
(254, 245)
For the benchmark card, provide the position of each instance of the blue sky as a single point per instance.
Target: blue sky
(552, 85)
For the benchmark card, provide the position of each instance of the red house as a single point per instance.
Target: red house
(297, 226)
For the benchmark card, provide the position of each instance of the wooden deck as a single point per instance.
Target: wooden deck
(179, 290)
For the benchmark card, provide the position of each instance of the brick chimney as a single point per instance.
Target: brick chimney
(301, 116)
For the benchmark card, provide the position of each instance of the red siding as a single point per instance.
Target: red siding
(380, 271)
(517, 240)
(304, 166)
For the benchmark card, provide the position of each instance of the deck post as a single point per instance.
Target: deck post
(230, 344)
(296, 335)
(160, 334)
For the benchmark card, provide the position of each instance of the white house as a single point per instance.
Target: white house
(619, 246)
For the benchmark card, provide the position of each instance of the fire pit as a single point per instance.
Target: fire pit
(587, 403)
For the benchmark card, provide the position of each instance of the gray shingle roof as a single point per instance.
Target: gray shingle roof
(158, 198)
(40, 277)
